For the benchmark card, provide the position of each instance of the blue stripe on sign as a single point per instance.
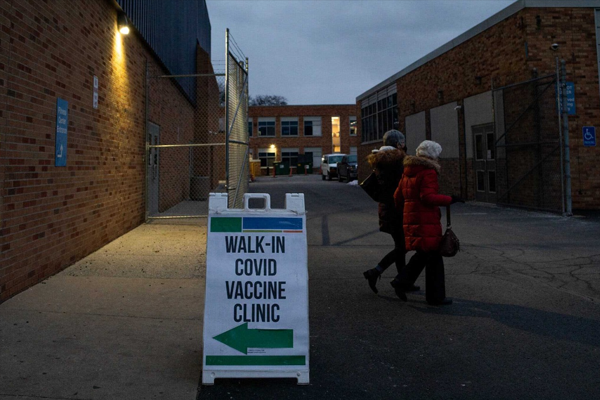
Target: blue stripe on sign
(273, 223)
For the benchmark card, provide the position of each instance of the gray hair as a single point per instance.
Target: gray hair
(394, 138)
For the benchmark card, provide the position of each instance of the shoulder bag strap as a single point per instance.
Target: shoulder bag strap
(448, 222)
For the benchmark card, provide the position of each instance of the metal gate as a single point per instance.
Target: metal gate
(197, 136)
(527, 159)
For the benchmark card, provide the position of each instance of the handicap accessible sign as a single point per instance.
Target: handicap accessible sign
(256, 305)
(589, 136)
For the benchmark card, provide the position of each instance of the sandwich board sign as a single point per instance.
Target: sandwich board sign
(256, 304)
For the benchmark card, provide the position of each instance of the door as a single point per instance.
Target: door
(484, 140)
(153, 171)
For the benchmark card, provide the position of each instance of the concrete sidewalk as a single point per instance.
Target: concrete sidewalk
(123, 323)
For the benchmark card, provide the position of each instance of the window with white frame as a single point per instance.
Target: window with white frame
(353, 126)
(312, 126)
(249, 127)
(289, 126)
(266, 157)
(266, 127)
(289, 157)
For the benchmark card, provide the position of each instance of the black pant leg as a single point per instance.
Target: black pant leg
(415, 266)
(435, 290)
(399, 251)
(388, 259)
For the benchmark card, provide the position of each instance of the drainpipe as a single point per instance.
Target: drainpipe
(568, 196)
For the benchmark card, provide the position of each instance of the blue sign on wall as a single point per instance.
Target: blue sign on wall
(570, 89)
(62, 122)
(589, 136)
(571, 98)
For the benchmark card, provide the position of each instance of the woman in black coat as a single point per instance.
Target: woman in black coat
(387, 164)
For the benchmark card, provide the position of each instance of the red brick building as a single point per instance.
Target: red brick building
(489, 97)
(282, 133)
(55, 57)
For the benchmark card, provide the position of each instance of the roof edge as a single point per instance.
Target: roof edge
(476, 30)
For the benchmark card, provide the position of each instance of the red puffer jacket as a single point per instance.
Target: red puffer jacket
(418, 193)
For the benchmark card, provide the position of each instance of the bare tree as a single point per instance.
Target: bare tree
(268, 100)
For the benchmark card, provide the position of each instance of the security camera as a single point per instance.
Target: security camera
(554, 46)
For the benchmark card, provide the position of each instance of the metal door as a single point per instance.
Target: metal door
(484, 140)
(153, 171)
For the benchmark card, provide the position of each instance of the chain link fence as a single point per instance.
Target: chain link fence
(197, 137)
(528, 145)
(238, 146)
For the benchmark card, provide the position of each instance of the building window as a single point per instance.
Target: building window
(249, 127)
(266, 127)
(312, 126)
(379, 114)
(289, 126)
(289, 157)
(353, 126)
(266, 157)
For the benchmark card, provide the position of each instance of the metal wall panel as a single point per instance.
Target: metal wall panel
(172, 29)
(416, 131)
(444, 129)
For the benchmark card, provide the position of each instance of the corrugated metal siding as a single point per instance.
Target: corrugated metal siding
(172, 28)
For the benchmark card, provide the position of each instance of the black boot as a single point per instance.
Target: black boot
(372, 275)
(399, 288)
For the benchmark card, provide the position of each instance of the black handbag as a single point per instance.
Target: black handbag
(371, 186)
(450, 245)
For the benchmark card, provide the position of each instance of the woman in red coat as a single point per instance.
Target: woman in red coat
(418, 193)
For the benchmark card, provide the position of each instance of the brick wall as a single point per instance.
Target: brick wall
(301, 141)
(53, 216)
(504, 54)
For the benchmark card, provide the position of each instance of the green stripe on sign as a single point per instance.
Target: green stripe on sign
(255, 360)
(225, 224)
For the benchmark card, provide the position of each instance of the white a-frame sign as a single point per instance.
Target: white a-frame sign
(256, 308)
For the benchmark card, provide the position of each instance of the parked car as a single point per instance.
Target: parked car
(329, 165)
(348, 168)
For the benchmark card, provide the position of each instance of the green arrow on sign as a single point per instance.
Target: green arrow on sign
(241, 338)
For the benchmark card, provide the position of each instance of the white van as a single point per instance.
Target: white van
(329, 165)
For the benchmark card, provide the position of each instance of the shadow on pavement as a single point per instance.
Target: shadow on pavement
(544, 323)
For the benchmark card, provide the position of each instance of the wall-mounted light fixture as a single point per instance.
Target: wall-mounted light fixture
(123, 23)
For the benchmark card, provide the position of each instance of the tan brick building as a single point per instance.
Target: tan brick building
(489, 97)
(61, 52)
(282, 133)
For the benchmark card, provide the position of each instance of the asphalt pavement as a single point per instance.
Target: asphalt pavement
(126, 322)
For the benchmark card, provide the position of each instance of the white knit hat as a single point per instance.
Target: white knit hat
(429, 149)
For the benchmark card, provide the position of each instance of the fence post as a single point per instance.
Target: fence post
(565, 121)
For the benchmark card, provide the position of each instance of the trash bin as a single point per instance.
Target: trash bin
(281, 168)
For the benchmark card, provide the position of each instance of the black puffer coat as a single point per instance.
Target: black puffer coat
(388, 166)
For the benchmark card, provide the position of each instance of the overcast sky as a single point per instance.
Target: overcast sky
(331, 51)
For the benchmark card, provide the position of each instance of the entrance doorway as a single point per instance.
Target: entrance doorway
(485, 163)
(153, 172)
(336, 142)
